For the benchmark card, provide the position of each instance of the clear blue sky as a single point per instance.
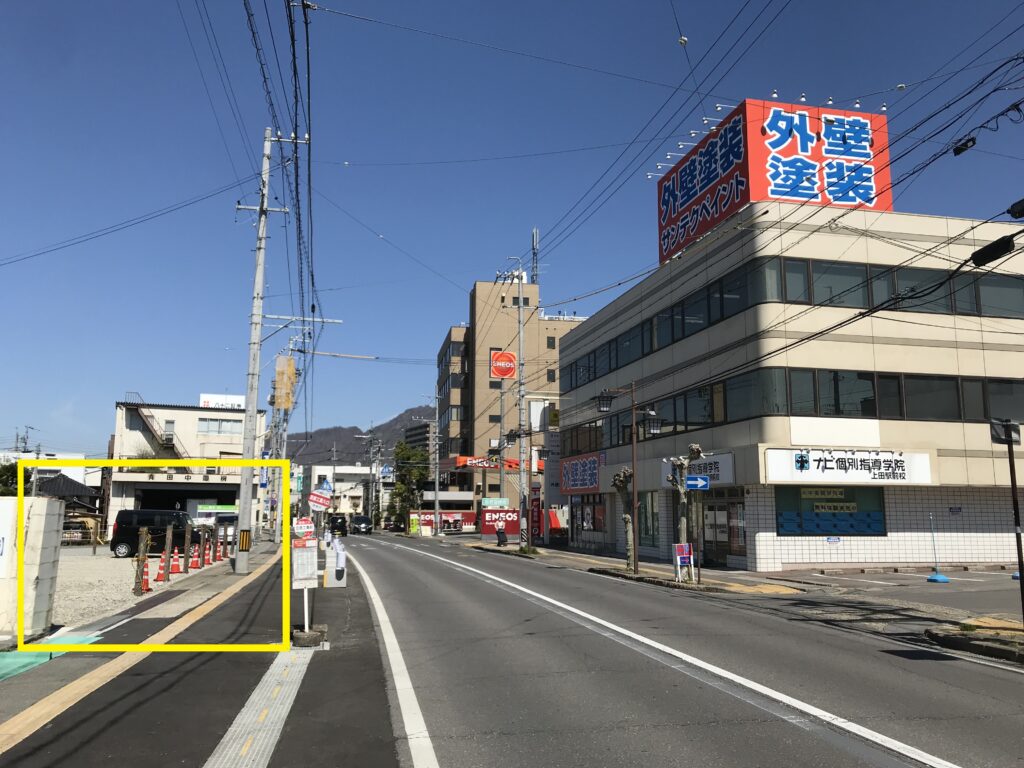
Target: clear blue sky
(106, 118)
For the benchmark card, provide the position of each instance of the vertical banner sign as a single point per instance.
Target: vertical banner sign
(284, 382)
(765, 150)
(264, 472)
(536, 521)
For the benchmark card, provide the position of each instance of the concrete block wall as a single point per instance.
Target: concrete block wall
(44, 523)
(980, 532)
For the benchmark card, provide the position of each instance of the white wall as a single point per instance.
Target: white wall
(45, 519)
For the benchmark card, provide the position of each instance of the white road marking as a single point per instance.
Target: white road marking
(864, 581)
(835, 721)
(421, 748)
(113, 626)
(252, 737)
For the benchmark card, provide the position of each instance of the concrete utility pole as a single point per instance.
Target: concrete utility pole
(535, 263)
(525, 534)
(501, 438)
(435, 444)
(253, 376)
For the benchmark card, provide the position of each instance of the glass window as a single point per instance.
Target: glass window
(601, 366)
(494, 418)
(972, 393)
(890, 402)
(801, 393)
(565, 379)
(795, 280)
(718, 402)
(629, 346)
(647, 517)
(847, 393)
(764, 282)
(849, 511)
(841, 285)
(677, 322)
(932, 398)
(757, 393)
(698, 407)
(666, 410)
(551, 342)
(695, 312)
(552, 376)
(1006, 399)
(734, 293)
(680, 413)
(714, 302)
(663, 329)
(1001, 295)
(583, 371)
(883, 285)
(613, 355)
(646, 335)
(929, 282)
(965, 294)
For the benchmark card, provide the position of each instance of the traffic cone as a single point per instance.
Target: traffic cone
(220, 555)
(194, 562)
(176, 562)
(161, 571)
(145, 578)
(207, 558)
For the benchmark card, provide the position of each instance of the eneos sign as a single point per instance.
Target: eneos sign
(503, 364)
(765, 150)
(508, 516)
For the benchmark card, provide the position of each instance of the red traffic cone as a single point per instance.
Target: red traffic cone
(220, 551)
(207, 557)
(161, 571)
(194, 562)
(145, 578)
(175, 562)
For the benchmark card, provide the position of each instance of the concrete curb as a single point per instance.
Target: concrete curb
(992, 647)
(512, 552)
(656, 581)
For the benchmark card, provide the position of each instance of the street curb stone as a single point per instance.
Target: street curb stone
(992, 647)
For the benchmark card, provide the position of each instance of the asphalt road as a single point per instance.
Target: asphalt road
(618, 673)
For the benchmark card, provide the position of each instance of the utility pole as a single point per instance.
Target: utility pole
(501, 438)
(525, 534)
(534, 264)
(253, 376)
(435, 444)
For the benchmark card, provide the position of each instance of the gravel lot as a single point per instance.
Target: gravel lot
(91, 587)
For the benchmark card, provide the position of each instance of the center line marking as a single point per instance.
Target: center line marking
(841, 723)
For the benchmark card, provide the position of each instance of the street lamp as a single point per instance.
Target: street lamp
(652, 423)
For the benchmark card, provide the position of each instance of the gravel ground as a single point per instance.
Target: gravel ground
(91, 587)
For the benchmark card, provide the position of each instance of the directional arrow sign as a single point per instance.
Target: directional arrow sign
(697, 482)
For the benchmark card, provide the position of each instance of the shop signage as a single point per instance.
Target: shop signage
(494, 503)
(503, 364)
(491, 516)
(846, 467)
(718, 468)
(580, 473)
(766, 150)
(319, 501)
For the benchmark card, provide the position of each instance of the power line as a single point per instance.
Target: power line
(122, 225)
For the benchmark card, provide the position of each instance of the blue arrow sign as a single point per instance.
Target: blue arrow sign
(697, 482)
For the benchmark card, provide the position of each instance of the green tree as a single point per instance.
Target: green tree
(9, 479)
(411, 470)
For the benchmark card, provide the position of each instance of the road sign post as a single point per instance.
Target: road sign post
(697, 482)
(1008, 433)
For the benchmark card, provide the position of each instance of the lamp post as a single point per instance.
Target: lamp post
(653, 426)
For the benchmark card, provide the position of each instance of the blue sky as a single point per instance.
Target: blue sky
(107, 119)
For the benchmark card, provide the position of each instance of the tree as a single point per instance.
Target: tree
(411, 465)
(622, 481)
(9, 479)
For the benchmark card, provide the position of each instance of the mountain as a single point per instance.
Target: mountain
(315, 447)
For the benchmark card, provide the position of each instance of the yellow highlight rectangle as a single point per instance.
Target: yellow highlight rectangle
(283, 508)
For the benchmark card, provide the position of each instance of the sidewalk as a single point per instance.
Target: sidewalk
(28, 677)
(739, 582)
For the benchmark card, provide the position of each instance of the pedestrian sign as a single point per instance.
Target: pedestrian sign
(697, 482)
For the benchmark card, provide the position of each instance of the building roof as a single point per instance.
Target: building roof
(60, 485)
(130, 404)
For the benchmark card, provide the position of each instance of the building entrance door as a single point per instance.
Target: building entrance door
(737, 529)
(716, 532)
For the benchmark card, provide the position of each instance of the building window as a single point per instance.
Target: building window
(628, 346)
(972, 393)
(757, 393)
(602, 363)
(965, 294)
(926, 281)
(494, 418)
(932, 398)
(647, 517)
(765, 281)
(1006, 399)
(695, 312)
(698, 407)
(847, 393)
(589, 510)
(663, 329)
(552, 376)
(802, 400)
(890, 398)
(795, 281)
(838, 284)
(551, 342)
(495, 383)
(1001, 295)
(819, 511)
(220, 426)
(526, 301)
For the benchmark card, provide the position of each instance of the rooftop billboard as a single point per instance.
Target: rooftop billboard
(764, 150)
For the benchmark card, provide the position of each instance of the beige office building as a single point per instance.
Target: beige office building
(476, 408)
(835, 435)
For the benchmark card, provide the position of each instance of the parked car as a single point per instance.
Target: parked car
(397, 525)
(124, 541)
(362, 524)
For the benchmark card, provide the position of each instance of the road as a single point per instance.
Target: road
(514, 663)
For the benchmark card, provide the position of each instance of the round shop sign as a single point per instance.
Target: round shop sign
(503, 365)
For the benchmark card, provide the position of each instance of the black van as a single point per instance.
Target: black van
(124, 541)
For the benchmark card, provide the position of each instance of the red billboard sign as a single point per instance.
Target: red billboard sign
(491, 516)
(765, 150)
(503, 364)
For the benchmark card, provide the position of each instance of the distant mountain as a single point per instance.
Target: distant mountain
(315, 447)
